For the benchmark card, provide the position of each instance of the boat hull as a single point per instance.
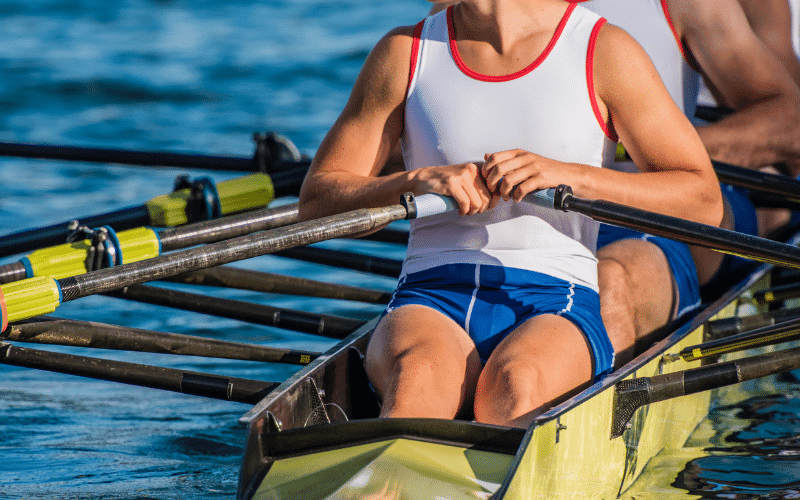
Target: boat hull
(568, 452)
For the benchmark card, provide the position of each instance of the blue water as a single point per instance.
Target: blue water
(201, 76)
(187, 76)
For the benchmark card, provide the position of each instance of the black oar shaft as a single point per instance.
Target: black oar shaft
(631, 394)
(318, 324)
(777, 294)
(224, 252)
(169, 379)
(731, 326)
(103, 336)
(769, 335)
(760, 182)
(346, 260)
(245, 279)
(131, 157)
(692, 233)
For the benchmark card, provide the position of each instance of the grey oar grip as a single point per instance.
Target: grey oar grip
(434, 204)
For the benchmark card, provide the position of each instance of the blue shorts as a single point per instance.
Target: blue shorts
(734, 269)
(489, 302)
(678, 256)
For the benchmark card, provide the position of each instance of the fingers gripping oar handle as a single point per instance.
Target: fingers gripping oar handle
(38, 296)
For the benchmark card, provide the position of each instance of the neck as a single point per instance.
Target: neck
(503, 23)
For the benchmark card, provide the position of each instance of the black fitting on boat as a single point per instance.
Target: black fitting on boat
(203, 201)
(272, 149)
(410, 204)
(561, 197)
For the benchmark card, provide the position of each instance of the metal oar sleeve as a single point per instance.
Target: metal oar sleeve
(232, 226)
(631, 394)
(692, 233)
(155, 377)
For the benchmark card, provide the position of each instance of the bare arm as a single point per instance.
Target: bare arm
(744, 75)
(771, 21)
(344, 174)
(676, 176)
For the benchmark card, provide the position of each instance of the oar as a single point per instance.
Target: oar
(200, 202)
(759, 182)
(323, 325)
(784, 331)
(712, 113)
(270, 150)
(731, 326)
(245, 279)
(103, 336)
(631, 394)
(240, 390)
(381, 266)
(692, 233)
(37, 296)
(141, 243)
(777, 294)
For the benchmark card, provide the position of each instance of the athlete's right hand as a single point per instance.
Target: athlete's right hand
(463, 182)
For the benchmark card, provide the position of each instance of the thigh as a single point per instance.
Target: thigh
(543, 361)
(422, 363)
(636, 292)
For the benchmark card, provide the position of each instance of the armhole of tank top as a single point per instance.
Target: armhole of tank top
(668, 18)
(415, 39)
(606, 127)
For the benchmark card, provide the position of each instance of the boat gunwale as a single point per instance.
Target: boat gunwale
(700, 318)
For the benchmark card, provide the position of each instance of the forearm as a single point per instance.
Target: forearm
(762, 134)
(686, 194)
(328, 193)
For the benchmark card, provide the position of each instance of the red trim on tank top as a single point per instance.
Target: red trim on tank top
(503, 78)
(672, 28)
(415, 39)
(607, 128)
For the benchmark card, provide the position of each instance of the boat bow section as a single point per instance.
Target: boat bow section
(380, 458)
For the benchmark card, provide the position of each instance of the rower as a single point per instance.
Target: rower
(761, 131)
(636, 270)
(497, 311)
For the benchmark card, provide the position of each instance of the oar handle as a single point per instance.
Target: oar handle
(433, 204)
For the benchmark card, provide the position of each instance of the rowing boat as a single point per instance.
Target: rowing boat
(318, 436)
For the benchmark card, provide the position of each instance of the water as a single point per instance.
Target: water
(202, 76)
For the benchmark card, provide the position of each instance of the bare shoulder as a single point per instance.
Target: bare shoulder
(386, 68)
(619, 60)
(716, 17)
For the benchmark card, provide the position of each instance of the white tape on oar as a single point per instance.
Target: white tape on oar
(434, 204)
(543, 198)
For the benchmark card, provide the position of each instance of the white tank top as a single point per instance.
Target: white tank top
(454, 115)
(648, 22)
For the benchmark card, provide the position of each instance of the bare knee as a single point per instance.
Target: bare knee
(507, 392)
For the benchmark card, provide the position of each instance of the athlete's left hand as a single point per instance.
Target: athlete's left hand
(515, 173)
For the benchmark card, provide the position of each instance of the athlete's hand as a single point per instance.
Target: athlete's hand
(463, 182)
(515, 173)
